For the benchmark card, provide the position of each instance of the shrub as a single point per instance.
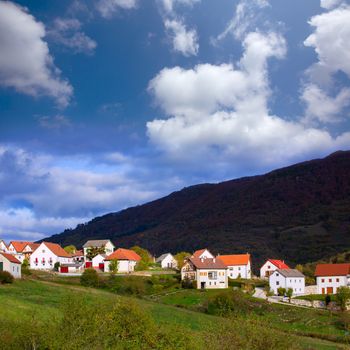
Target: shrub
(25, 267)
(89, 278)
(57, 265)
(281, 291)
(327, 299)
(6, 277)
(342, 297)
(188, 284)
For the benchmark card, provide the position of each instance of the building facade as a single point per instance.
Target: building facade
(287, 278)
(9, 263)
(238, 266)
(270, 266)
(329, 277)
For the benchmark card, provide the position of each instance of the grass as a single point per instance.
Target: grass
(41, 299)
(313, 297)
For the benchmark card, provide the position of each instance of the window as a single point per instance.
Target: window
(277, 274)
(337, 279)
(212, 275)
(268, 266)
(239, 269)
(330, 280)
(43, 251)
(277, 283)
(322, 280)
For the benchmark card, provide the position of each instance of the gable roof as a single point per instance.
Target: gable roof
(124, 254)
(1, 240)
(10, 258)
(162, 257)
(332, 270)
(237, 259)
(280, 264)
(57, 249)
(78, 253)
(33, 246)
(207, 263)
(290, 273)
(97, 243)
(19, 245)
(199, 252)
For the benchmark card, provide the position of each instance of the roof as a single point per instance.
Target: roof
(124, 254)
(280, 264)
(207, 263)
(290, 273)
(96, 243)
(199, 252)
(57, 249)
(1, 240)
(238, 259)
(34, 246)
(162, 257)
(78, 253)
(332, 270)
(10, 258)
(19, 245)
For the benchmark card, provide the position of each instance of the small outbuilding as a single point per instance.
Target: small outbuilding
(167, 261)
(11, 264)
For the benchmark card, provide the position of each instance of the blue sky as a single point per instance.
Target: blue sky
(108, 104)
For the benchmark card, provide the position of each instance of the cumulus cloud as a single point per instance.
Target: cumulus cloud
(219, 115)
(107, 8)
(330, 40)
(184, 41)
(67, 32)
(330, 4)
(25, 62)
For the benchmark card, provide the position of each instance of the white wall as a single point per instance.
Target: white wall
(97, 260)
(46, 259)
(13, 269)
(277, 280)
(267, 267)
(124, 266)
(243, 270)
(3, 247)
(333, 282)
(168, 262)
(206, 254)
(215, 282)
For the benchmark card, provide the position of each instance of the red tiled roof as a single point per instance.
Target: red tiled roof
(57, 250)
(78, 253)
(207, 263)
(124, 254)
(19, 245)
(332, 270)
(280, 264)
(11, 258)
(238, 259)
(199, 252)
(34, 246)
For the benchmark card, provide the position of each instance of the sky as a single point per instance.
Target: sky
(107, 104)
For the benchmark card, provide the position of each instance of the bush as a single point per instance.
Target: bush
(6, 277)
(57, 265)
(281, 291)
(188, 284)
(89, 278)
(25, 267)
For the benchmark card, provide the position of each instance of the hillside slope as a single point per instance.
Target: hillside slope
(300, 213)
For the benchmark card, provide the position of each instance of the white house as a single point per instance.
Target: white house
(20, 249)
(47, 254)
(74, 267)
(287, 278)
(3, 246)
(98, 261)
(209, 273)
(203, 253)
(106, 244)
(238, 266)
(127, 260)
(167, 261)
(270, 266)
(329, 277)
(11, 264)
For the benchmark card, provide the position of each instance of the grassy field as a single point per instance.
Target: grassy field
(41, 300)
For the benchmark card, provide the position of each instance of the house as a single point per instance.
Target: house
(209, 273)
(167, 261)
(11, 264)
(78, 256)
(29, 249)
(47, 254)
(127, 260)
(270, 266)
(203, 253)
(238, 266)
(99, 243)
(17, 249)
(98, 261)
(329, 277)
(73, 267)
(287, 278)
(3, 246)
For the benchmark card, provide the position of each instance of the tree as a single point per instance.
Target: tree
(145, 255)
(342, 297)
(25, 267)
(93, 251)
(113, 266)
(299, 267)
(70, 249)
(268, 292)
(281, 291)
(180, 257)
(89, 278)
(289, 293)
(57, 265)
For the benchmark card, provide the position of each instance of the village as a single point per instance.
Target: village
(201, 270)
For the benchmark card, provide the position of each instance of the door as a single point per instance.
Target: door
(88, 264)
(202, 285)
(64, 269)
(1, 266)
(329, 290)
(323, 291)
(101, 266)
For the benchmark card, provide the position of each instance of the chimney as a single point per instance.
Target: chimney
(214, 260)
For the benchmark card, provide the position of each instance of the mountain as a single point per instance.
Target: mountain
(300, 213)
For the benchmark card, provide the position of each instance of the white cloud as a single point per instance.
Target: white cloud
(219, 115)
(330, 4)
(330, 40)
(25, 62)
(322, 107)
(184, 41)
(55, 122)
(169, 5)
(107, 8)
(67, 32)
